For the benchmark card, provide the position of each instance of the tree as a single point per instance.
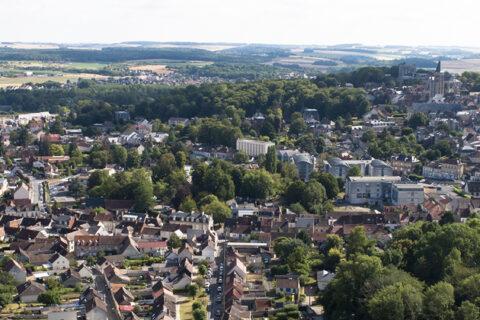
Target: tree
(49, 297)
(188, 205)
(358, 242)
(439, 301)
(174, 242)
(467, 311)
(192, 290)
(56, 150)
(418, 119)
(313, 196)
(218, 210)
(354, 172)
(396, 302)
(180, 159)
(21, 137)
(76, 188)
(98, 159)
(143, 195)
(330, 184)
(271, 160)
(343, 296)
(119, 155)
(258, 184)
(297, 125)
(133, 159)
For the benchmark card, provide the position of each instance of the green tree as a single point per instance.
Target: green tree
(119, 155)
(396, 302)
(358, 242)
(49, 297)
(188, 205)
(218, 210)
(258, 184)
(329, 182)
(467, 311)
(439, 301)
(174, 242)
(271, 160)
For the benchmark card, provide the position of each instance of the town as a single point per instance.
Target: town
(255, 207)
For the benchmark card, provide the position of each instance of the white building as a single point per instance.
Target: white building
(369, 190)
(253, 148)
(407, 194)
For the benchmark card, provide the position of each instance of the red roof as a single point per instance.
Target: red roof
(152, 245)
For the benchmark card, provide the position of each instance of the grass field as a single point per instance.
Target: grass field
(186, 308)
(19, 81)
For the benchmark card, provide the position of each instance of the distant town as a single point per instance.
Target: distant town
(299, 196)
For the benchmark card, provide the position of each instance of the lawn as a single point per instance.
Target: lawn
(186, 308)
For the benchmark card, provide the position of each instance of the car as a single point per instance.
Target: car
(220, 280)
(219, 289)
(218, 312)
(218, 299)
(207, 284)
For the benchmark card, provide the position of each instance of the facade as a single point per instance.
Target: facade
(197, 221)
(407, 194)
(450, 169)
(373, 167)
(253, 148)
(369, 190)
(403, 165)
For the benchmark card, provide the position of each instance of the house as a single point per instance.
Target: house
(57, 262)
(91, 245)
(196, 221)
(29, 291)
(23, 195)
(304, 162)
(288, 284)
(85, 272)
(152, 248)
(123, 296)
(114, 275)
(96, 309)
(71, 278)
(403, 164)
(16, 269)
(324, 277)
(449, 169)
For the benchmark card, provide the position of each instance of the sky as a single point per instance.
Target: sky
(322, 22)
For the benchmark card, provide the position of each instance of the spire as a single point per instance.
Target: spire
(439, 67)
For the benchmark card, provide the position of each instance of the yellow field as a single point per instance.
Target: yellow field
(156, 68)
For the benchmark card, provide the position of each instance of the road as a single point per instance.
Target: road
(217, 280)
(102, 288)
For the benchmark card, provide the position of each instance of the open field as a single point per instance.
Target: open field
(19, 81)
(156, 68)
(460, 66)
(35, 65)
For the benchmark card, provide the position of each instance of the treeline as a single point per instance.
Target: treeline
(235, 71)
(124, 54)
(92, 103)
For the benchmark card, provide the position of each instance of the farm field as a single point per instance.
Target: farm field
(19, 81)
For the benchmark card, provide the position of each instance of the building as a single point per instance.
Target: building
(178, 121)
(253, 148)
(450, 169)
(196, 221)
(369, 190)
(436, 83)
(304, 162)
(16, 270)
(403, 165)
(406, 71)
(407, 194)
(373, 167)
(122, 116)
(288, 284)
